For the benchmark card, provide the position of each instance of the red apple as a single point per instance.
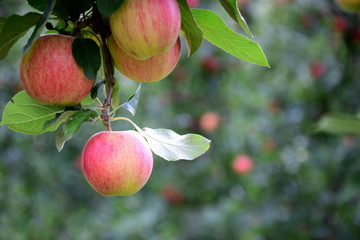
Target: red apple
(209, 121)
(173, 195)
(50, 74)
(340, 24)
(117, 163)
(193, 3)
(317, 69)
(242, 164)
(149, 70)
(145, 28)
(210, 64)
(349, 5)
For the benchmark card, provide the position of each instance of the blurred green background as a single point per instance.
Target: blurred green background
(303, 184)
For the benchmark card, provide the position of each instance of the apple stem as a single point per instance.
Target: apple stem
(98, 24)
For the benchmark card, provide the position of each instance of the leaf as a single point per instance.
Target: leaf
(59, 118)
(87, 100)
(25, 115)
(15, 28)
(232, 8)
(2, 22)
(72, 126)
(115, 97)
(133, 101)
(108, 7)
(172, 146)
(87, 55)
(216, 32)
(94, 90)
(58, 10)
(339, 124)
(40, 24)
(192, 33)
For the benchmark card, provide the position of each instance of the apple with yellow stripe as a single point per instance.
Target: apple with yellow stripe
(117, 163)
(150, 70)
(145, 28)
(349, 5)
(49, 73)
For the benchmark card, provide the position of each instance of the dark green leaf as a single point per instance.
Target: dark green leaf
(216, 32)
(115, 98)
(58, 10)
(94, 90)
(172, 146)
(75, 8)
(108, 7)
(87, 55)
(59, 118)
(192, 33)
(15, 28)
(72, 126)
(231, 6)
(2, 22)
(133, 101)
(340, 124)
(40, 24)
(28, 116)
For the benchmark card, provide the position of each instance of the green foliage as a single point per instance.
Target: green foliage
(216, 32)
(108, 7)
(192, 33)
(87, 55)
(343, 124)
(14, 29)
(172, 146)
(22, 114)
(231, 6)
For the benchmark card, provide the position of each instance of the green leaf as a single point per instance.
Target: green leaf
(15, 28)
(216, 32)
(172, 146)
(115, 98)
(2, 22)
(87, 55)
(88, 100)
(59, 118)
(25, 115)
(40, 24)
(192, 33)
(341, 124)
(108, 7)
(232, 8)
(58, 10)
(133, 101)
(72, 126)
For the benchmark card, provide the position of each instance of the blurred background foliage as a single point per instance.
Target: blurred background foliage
(298, 183)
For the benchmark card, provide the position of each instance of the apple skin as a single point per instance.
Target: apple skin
(209, 121)
(242, 164)
(193, 3)
(349, 5)
(49, 73)
(117, 163)
(150, 70)
(145, 28)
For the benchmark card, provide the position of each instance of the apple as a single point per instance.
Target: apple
(150, 70)
(242, 164)
(193, 3)
(317, 69)
(210, 64)
(117, 163)
(145, 28)
(172, 195)
(340, 24)
(209, 121)
(349, 5)
(49, 73)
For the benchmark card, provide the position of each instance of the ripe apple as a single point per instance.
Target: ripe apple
(209, 121)
(50, 74)
(117, 163)
(149, 70)
(242, 164)
(349, 5)
(145, 28)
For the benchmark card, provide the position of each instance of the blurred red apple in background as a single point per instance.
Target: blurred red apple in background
(172, 195)
(210, 64)
(193, 3)
(242, 164)
(209, 121)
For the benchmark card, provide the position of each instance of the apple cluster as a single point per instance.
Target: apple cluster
(144, 45)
